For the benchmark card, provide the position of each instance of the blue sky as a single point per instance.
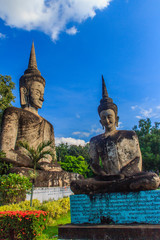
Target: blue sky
(76, 42)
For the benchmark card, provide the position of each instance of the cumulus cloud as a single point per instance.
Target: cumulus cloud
(49, 16)
(69, 141)
(72, 31)
(89, 133)
(81, 134)
(2, 36)
(153, 112)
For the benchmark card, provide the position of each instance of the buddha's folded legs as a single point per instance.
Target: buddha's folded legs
(139, 182)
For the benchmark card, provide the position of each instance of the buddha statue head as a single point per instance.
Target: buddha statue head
(107, 110)
(32, 85)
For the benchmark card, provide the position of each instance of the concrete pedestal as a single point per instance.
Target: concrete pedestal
(114, 216)
(109, 232)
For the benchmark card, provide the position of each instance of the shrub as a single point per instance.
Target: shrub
(54, 208)
(13, 188)
(4, 166)
(22, 224)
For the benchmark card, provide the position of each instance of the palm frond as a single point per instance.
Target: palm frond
(43, 145)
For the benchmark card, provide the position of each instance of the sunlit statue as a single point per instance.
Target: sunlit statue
(24, 123)
(115, 157)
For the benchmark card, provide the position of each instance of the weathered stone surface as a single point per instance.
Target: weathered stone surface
(19, 124)
(54, 178)
(115, 157)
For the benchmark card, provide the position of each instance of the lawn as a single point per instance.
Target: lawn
(51, 232)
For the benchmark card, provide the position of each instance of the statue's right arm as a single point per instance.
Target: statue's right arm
(9, 133)
(94, 160)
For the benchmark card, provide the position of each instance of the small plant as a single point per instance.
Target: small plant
(36, 155)
(13, 188)
(22, 224)
(4, 166)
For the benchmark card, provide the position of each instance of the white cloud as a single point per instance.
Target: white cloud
(120, 125)
(139, 117)
(2, 36)
(147, 113)
(72, 31)
(89, 133)
(82, 134)
(69, 141)
(134, 107)
(158, 107)
(49, 16)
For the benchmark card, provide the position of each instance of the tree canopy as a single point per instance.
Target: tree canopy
(6, 95)
(149, 139)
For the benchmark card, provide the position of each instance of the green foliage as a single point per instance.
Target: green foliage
(72, 150)
(74, 158)
(54, 208)
(22, 224)
(13, 188)
(149, 139)
(4, 166)
(6, 95)
(36, 154)
(76, 165)
(51, 231)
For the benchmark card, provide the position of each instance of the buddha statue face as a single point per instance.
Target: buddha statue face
(32, 95)
(36, 92)
(109, 120)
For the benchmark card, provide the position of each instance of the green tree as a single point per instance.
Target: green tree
(76, 165)
(61, 151)
(72, 150)
(149, 139)
(36, 155)
(6, 95)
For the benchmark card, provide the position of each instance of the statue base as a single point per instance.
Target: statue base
(53, 178)
(114, 216)
(116, 208)
(109, 232)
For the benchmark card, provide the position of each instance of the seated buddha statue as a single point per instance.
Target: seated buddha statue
(115, 157)
(25, 124)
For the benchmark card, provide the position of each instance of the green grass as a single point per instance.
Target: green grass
(51, 232)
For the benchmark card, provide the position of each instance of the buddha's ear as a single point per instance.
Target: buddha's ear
(117, 119)
(24, 96)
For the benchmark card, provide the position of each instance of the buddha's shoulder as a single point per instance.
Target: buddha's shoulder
(126, 134)
(118, 136)
(47, 123)
(11, 110)
(97, 138)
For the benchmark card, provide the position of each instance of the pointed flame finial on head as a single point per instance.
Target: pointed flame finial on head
(32, 60)
(106, 102)
(104, 89)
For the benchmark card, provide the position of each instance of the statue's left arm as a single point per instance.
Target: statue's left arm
(133, 159)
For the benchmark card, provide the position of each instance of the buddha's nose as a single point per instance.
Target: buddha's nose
(42, 99)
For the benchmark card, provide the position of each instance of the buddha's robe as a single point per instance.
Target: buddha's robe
(116, 151)
(22, 125)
